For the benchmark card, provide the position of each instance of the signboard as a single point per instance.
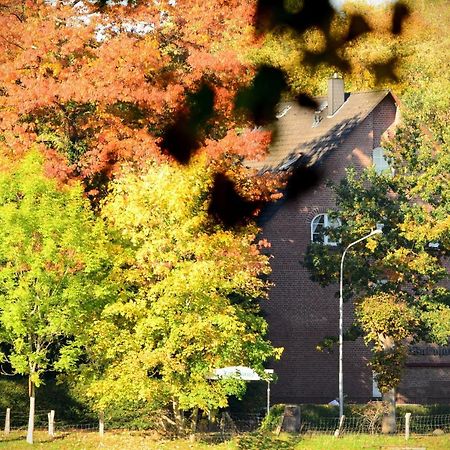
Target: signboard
(241, 372)
(428, 350)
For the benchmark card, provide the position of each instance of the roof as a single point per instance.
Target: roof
(295, 136)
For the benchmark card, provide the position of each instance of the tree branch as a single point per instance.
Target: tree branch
(11, 42)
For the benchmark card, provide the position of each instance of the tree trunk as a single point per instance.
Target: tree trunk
(388, 425)
(194, 420)
(31, 393)
(179, 417)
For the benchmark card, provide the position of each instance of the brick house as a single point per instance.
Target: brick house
(345, 131)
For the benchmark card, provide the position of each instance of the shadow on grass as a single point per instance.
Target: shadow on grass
(39, 438)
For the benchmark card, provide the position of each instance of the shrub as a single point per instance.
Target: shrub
(265, 441)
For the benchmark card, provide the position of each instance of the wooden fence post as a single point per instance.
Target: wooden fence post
(101, 424)
(51, 423)
(8, 421)
(338, 431)
(407, 422)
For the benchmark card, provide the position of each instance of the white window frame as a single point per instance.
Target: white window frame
(327, 223)
(375, 390)
(380, 164)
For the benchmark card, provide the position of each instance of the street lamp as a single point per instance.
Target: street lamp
(341, 321)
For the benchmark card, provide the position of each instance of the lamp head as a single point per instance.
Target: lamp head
(377, 231)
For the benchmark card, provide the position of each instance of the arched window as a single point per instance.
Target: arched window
(379, 160)
(319, 225)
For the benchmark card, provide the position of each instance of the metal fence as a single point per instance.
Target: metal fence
(18, 421)
(228, 424)
(247, 422)
(421, 425)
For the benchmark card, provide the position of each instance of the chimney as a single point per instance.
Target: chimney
(335, 94)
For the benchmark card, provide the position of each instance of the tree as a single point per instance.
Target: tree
(99, 83)
(99, 90)
(190, 301)
(397, 281)
(376, 57)
(152, 81)
(54, 268)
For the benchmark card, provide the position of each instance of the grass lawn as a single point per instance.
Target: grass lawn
(139, 440)
(111, 441)
(366, 442)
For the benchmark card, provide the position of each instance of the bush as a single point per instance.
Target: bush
(14, 395)
(308, 413)
(423, 410)
(372, 413)
(265, 441)
(314, 413)
(272, 420)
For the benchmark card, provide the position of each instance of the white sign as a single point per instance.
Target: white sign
(241, 372)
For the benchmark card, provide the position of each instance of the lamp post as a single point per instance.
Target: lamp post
(341, 321)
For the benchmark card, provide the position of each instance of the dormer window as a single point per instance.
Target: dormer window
(379, 160)
(318, 115)
(317, 118)
(319, 225)
(283, 112)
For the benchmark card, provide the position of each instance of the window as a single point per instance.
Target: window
(318, 229)
(379, 160)
(375, 390)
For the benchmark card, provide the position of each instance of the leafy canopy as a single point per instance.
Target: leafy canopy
(54, 268)
(95, 90)
(190, 301)
(398, 280)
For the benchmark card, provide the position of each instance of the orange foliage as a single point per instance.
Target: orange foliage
(93, 104)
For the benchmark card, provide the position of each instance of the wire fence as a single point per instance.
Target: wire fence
(418, 424)
(429, 424)
(18, 421)
(247, 422)
(232, 424)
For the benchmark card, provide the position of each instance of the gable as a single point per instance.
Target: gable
(300, 132)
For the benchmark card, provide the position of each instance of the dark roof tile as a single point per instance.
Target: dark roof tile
(295, 136)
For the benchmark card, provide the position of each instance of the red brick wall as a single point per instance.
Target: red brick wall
(301, 313)
(425, 384)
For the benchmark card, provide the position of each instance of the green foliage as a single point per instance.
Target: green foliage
(387, 322)
(397, 279)
(314, 413)
(65, 129)
(418, 56)
(272, 420)
(254, 400)
(264, 441)
(51, 395)
(54, 268)
(388, 366)
(190, 299)
(382, 312)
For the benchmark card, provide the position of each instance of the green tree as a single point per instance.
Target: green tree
(415, 59)
(190, 301)
(54, 267)
(397, 281)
